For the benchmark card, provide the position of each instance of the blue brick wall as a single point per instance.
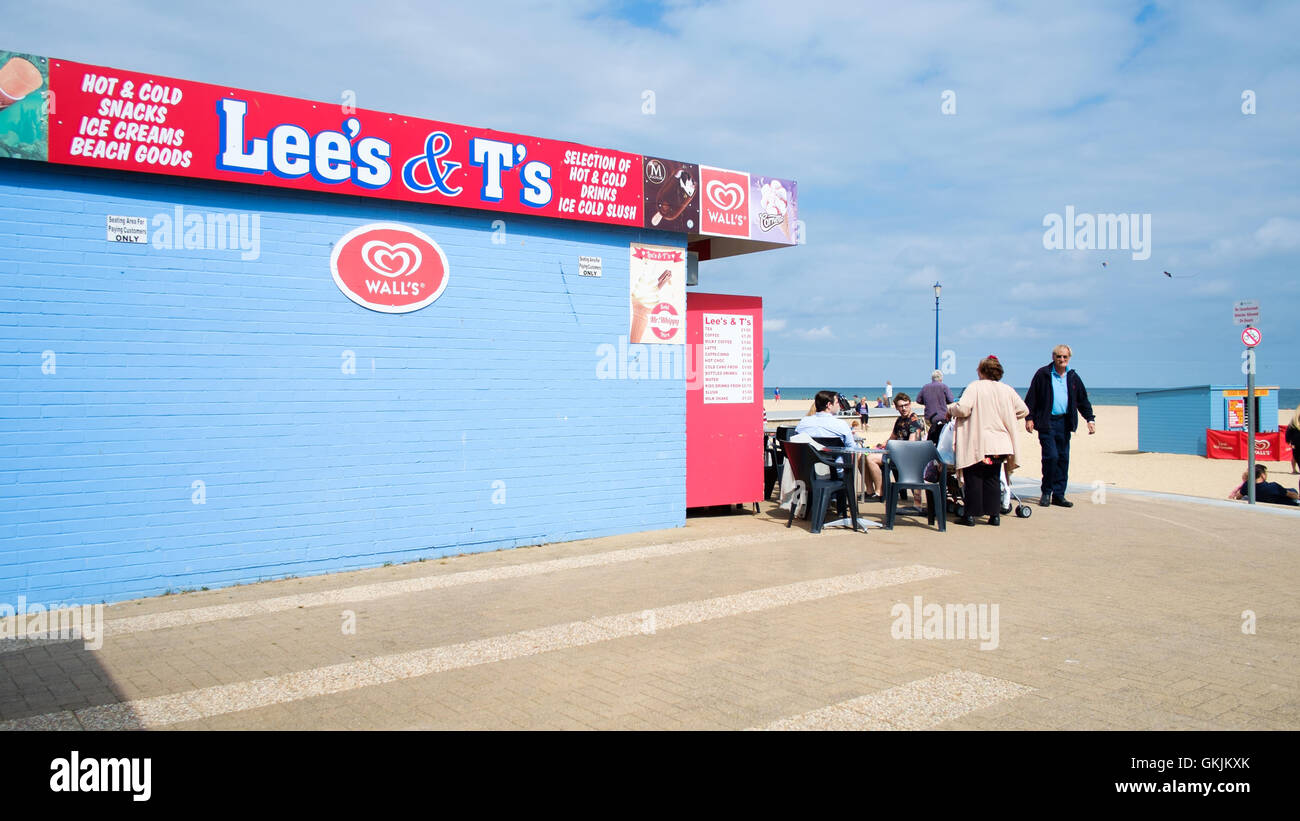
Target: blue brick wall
(177, 366)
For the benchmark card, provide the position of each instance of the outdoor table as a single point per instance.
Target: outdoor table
(858, 453)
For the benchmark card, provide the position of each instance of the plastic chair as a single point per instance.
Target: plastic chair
(905, 470)
(773, 464)
(821, 487)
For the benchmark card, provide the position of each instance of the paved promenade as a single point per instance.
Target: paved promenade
(1123, 615)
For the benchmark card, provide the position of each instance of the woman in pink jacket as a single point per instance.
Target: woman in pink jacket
(985, 437)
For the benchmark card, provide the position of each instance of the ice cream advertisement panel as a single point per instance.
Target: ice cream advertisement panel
(773, 209)
(24, 106)
(672, 200)
(724, 211)
(658, 294)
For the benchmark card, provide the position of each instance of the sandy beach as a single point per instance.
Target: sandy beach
(1111, 456)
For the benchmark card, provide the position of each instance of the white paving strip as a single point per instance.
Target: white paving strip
(380, 590)
(248, 695)
(917, 705)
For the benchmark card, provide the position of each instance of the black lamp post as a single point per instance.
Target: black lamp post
(937, 288)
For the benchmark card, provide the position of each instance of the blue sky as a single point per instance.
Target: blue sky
(1109, 107)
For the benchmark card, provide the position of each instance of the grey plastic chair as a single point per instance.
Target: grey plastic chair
(905, 470)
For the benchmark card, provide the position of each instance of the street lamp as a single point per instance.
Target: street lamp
(937, 288)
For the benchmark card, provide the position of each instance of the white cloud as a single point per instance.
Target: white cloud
(773, 326)
(924, 278)
(1279, 233)
(824, 332)
(1214, 287)
(1006, 329)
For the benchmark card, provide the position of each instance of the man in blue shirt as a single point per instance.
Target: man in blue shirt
(824, 422)
(1056, 399)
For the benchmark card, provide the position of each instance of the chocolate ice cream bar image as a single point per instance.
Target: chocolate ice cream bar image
(676, 193)
(18, 78)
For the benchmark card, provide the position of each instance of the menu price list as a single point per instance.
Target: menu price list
(728, 359)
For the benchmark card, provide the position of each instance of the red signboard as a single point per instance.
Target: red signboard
(1224, 444)
(1231, 444)
(110, 118)
(72, 113)
(724, 211)
(724, 399)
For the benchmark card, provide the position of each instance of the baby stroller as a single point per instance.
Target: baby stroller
(956, 501)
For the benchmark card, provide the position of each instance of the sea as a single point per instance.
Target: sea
(1287, 397)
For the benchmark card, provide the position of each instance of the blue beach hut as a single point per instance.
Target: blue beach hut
(1174, 420)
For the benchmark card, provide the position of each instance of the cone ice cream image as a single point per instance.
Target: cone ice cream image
(645, 296)
(774, 206)
(18, 78)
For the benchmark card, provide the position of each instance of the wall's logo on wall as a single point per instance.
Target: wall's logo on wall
(388, 267)
(725, 210)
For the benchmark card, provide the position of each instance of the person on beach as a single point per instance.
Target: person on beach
(889, 392)
(864, 411)
(1265, 491)
(777, 391)
(823, 421)
(906, 428)
(1293, 439)
(1056, 398)
(936, 397)
(984, 427)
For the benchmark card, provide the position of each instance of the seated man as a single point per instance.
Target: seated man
(1266, 491)
(906, 427)
(824, 422)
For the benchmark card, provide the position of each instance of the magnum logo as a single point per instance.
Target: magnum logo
(672, 195)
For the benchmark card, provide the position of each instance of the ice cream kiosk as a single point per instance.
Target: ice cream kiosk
(220, 370)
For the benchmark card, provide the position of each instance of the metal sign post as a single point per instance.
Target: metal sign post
(1250, 337)
(1252, 425)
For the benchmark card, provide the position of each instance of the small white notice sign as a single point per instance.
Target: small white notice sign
(589, 266)
(727, 361)
(127, 229)
(1245, 312)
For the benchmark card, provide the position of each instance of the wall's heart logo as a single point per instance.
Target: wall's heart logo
(388, 267)
(390, 260)
(725, 195)
(725, 202)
